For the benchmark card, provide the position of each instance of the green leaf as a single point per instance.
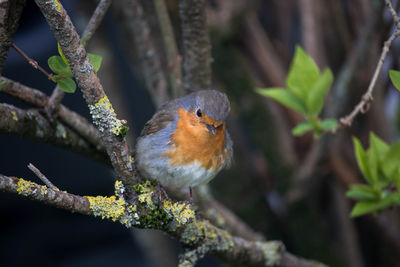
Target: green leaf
(395, 77)
(316, 96)
(328, 124)
(67, 85)
(96, 61)
(367, 206)
(396, 179)
(362, 160)
(58, 66)
(378, 145)
(285, 97)
(362, 192)
(301, 128)
(372, 159)
(60, 52)
(303, 74)
(391, 161)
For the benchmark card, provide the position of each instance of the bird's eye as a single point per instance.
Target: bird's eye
(198, 113)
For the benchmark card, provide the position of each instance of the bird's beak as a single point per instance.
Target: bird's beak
(211, 128)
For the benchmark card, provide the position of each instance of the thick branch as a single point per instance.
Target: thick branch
(10, 12)
(196, 235)
(33, 125)
(196, 45)
(98, 15)
(111, 129)
(59, 199)
(38, 99)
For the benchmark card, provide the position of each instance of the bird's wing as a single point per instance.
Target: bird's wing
(160, 120)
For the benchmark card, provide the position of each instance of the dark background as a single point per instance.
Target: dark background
(259, 186)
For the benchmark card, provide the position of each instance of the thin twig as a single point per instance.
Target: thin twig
(393, 12)
(42, 176)
(138, 34)
(171, 50)
(94, 22)
(367, 98)
(32, 62)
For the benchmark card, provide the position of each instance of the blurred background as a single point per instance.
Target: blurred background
(285, 188)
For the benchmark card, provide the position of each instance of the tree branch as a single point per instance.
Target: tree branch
(33, 125)
(32, 62)
(112, 130)
(94, 22)
(10, 13)
(42, 176)
(138, 33)
(367, 98)
(171, 50)
(197, 236)
(196, 45)
(38, 99)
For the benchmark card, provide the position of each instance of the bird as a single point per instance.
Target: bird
(186, 142)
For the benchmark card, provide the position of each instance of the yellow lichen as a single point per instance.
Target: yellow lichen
(57, 5)
(271, 251)
(104, 117)
(14, 115)
(181, 212)
(119, 188)
(27, 188)
(107, 207)
(43, 190)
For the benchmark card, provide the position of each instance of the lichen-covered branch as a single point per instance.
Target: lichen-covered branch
(33, 125)
(38, 99)
(112, 130)
(94, 22)
(138, 33)
(196, 45)
(10, 12)
(197, 236)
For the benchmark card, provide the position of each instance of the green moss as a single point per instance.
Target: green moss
(104, 117)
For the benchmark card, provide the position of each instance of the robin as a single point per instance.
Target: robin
(186, 143)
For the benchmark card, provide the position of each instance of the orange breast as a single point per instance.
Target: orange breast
(192, 141)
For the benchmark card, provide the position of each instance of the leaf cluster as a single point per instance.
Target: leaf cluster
(380, 167)
(306, 90)
(60, 66)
